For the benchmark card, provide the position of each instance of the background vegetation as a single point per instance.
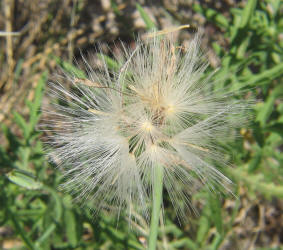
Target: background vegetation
(244, 38)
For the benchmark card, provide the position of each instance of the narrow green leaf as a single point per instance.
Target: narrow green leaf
(185, 242)
(202, 229)
(70, 68)
(29, 104)
(23, 179)
(70, 222)
(212, 15)
(276, 57)
(217, 18)
(58, 209)
(173, 229)
(34, 111)
(20, 230)
(268, 106)
(254, 164)
(247, 13)
(215, 209)
(111, 64)
(198, 8)
(147, 20)
(265, 111)
(216, 242)
(22, 124)
(45, 235)
(217, 48)
(261, 78)
(115, 233)
(135, 245)
(275, 128)
(24, 155)
(241, 50)
(30, 212)
(115, 8)
(275, 6)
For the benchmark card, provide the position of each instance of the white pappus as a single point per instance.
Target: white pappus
(111, 130)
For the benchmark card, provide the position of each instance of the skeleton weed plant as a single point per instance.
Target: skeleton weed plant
(121, 137)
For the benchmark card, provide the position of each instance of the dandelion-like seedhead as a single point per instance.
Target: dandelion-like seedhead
(111, 130)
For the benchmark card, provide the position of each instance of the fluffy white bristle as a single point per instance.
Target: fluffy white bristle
(111, 130)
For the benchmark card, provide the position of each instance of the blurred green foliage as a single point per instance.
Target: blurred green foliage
(46, 218)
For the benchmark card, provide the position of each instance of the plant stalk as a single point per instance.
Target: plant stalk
(156, 207)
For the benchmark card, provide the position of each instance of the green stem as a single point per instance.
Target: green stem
(20, 230)
(157, 201)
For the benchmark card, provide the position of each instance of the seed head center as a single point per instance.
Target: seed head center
(147, 126)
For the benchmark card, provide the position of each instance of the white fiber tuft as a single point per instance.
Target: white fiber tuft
(108, 132)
